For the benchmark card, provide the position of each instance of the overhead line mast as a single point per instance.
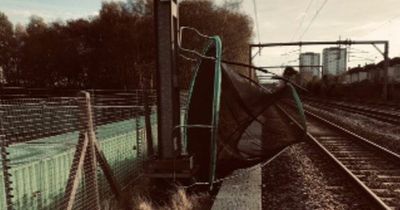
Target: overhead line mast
(385, 53)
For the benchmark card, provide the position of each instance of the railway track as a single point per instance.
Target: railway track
(380, 105)
(382, 114)
(372, 168)
(391, 106)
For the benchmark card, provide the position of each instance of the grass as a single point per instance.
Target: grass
(142, 197)
(179, 200)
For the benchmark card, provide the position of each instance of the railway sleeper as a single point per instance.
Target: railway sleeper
(337, 141)
(392, 202)
(336, 189)
(348, 146)
(346, 149)
(363, 160)
(385, 172)
(391, 185)
(371, 168)
(364, 164)
(346, 153)
(360, 158)
(389, 178)
(332, 138)
(344, 145)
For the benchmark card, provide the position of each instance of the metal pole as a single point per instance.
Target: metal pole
(250, 60)
(344, 42)
(90, 169)
(385, 71)
(166, 22)
(7, 176)
(147, 119)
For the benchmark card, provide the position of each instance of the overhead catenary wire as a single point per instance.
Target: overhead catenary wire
(300, 25)
(263, 70)
(302, 20)
(357, 50)
(257, 26)
(313, 19)
(389, 21)
(256, 20)
(194, 52)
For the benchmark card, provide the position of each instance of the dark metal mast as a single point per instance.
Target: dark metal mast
(166, 29)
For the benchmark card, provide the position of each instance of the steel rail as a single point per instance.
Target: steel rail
(385, 116)
(387, 153)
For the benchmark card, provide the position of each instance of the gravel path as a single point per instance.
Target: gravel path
(240, 192)
(302, 179)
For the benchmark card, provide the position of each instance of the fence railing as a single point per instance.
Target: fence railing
(72, 152)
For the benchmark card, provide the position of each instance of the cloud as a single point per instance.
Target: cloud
(23, 15)
(49, 10)
(301, 16)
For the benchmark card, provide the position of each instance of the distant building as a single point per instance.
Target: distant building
(373, 74)
(334, 61)
(309, 65)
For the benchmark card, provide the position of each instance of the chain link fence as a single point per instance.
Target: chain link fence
(72, 152)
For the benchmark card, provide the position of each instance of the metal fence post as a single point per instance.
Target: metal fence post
(75, 172)
(90, 170)
(84, 158)
(5, 161)
(147, 118)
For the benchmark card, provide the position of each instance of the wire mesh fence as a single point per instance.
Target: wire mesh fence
(74, 151)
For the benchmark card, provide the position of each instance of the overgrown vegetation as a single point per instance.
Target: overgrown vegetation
(115, 49)
(180, 200)
(145, 194)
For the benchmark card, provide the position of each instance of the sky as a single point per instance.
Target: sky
(19, 11)
(278, 21)
(287, 20)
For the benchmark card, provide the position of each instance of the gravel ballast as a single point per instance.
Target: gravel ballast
(301, 178)
(242, 190)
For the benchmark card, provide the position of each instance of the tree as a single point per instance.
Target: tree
(289, 72)
(7, 43)
(234, 28)
(115, 49)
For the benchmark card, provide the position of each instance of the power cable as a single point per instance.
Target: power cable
(302, 20)
(358, 50)
(301, 24)
(256, 20)
(257, 26)
(313, 19)
(385, 23)
(194, 52)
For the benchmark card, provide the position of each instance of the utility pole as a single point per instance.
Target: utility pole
(170, 164)
(385, 71)
(166, 29)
